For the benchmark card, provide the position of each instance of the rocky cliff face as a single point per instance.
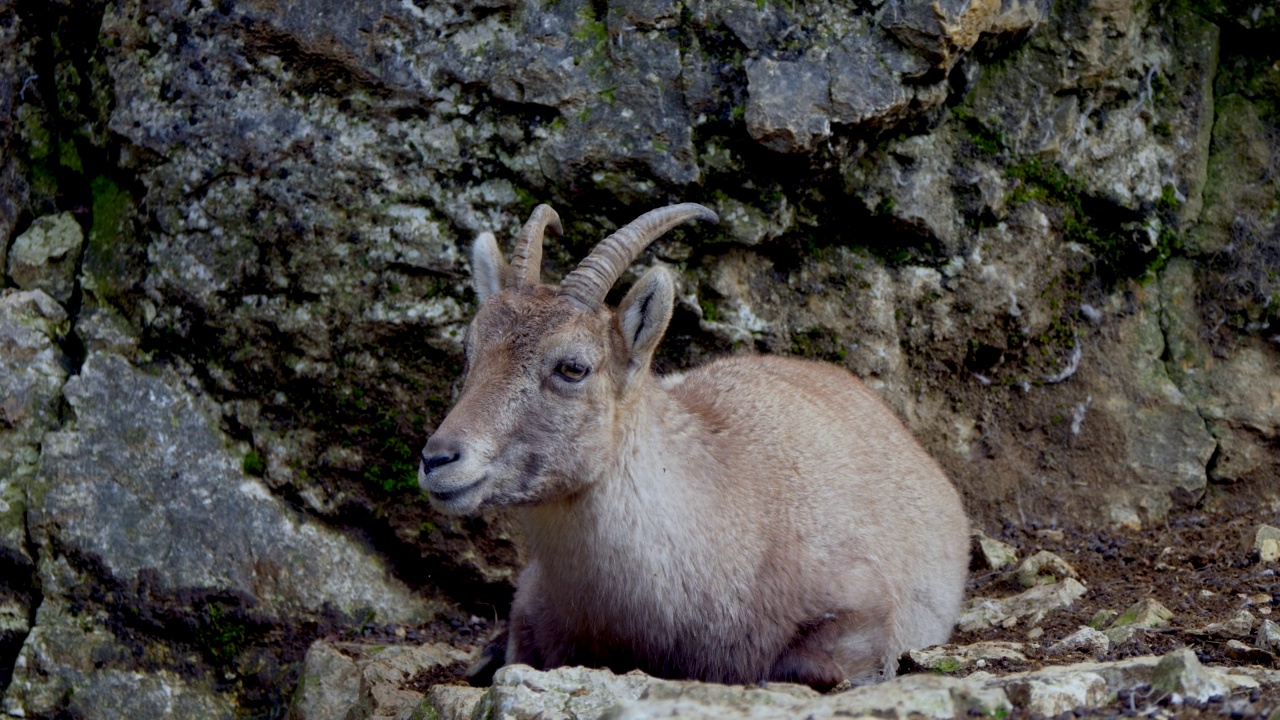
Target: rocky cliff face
(232, 237)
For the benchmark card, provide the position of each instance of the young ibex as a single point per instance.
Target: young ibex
(759, 518)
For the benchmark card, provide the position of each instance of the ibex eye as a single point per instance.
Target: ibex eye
(572, 371)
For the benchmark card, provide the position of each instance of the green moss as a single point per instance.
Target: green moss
(885, 207)
(1116, 255)
(819, 343)
(1168, 202)
(37, 136)
(1128, 618)
(987, 140)
(111, 205)
(947, 665)
(709, 311)
(398, 473)
(69, 157)
(590, 29)
(254, 464)
(44, 183)
(221, 635)
(526, 201)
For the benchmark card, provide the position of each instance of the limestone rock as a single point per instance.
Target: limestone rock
(1167, 445)
(1086, 639)
(45, 256)
(74, 665)
(144, 481)
(1268, 637)
(788, 111)
(1240, 626)
(996, 555)
(1054, 694)
(1043, 568)
(950, 658)
(1148, 613)
(520, 692)
(1031, 605)
(1142, 615)
(346, 680)
(33, 369)
(451, 702)
(1235, 394)
(1180, 672)
(1266, 542)
(328, 685)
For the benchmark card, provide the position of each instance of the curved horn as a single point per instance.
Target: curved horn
(591, 280)
(526, 264)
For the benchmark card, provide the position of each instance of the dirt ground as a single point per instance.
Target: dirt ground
(1198, 565)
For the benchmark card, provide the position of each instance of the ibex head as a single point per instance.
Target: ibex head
(550, 370)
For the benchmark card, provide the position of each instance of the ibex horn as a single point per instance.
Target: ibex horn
(526, 264)
(591, 280)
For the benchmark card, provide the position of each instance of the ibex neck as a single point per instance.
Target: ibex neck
(661, 471)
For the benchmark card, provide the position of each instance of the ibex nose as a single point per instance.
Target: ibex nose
(442, 454)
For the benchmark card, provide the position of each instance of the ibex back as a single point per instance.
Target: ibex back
(758, 518)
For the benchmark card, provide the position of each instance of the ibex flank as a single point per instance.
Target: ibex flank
(759, 518)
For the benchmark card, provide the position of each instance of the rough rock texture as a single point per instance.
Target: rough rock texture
(108, 480)
(1048, 234)
(72, 665)
(520, 693)
(32, 371)
(350, 680)
(45, 256)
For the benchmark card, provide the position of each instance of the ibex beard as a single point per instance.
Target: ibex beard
(758, 518)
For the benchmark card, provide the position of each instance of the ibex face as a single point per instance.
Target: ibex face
(549, 370)
(536, 405)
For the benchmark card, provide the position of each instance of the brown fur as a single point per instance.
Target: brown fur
(758, 518)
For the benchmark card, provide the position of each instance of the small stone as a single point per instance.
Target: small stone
(1102, 618)
(1043, 568)
(1266, 542)
(1033, 604)
(329, 686)
(1086, 639)
(341, 680)
(1268, 637)
(995, 554)
(1148, 613)
(1237, 627)
(1057, 693)
(950, 658)
(450, 702)
(45, 256)
(1242, 653)
(1143, 615)
(1180, 674)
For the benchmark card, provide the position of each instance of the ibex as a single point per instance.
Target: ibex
(756, 519)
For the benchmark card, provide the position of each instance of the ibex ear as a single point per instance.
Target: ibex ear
(644, 314)
(487, 266)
